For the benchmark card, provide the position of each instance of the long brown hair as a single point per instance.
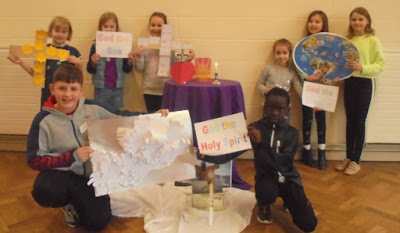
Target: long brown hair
(107, 16)
(289, 46)
(159, 14)
(325, 24)
(368, 28)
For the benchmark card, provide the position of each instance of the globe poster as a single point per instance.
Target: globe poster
(327, 53)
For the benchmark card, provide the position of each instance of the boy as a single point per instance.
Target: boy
(57, 146)
(275, 143)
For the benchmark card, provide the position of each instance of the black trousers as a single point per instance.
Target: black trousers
(268, 189)
(55, 188)
(320, 118)
(153, 102)
(357, 99)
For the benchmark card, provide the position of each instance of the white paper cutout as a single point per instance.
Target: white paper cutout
(134, 151)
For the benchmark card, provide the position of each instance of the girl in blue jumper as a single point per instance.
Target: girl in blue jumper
(108, 75)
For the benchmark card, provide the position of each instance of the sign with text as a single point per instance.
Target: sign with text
(113, 44)
(320, 95)
(222, 135)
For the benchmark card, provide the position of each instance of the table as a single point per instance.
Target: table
(207, 101)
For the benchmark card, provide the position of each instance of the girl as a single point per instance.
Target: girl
(280, 73)
(147, 63)
(60, 30)
(317, 22)
(359, 89)
(108, 76)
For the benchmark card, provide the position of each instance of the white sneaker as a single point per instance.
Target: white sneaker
(70, 215)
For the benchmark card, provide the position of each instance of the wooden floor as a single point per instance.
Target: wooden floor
(367, 202)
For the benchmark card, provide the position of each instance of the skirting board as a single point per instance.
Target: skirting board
(372, 152)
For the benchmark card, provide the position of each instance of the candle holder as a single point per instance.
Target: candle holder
(216, 79)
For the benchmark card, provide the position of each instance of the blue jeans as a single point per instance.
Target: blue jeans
(112, 98)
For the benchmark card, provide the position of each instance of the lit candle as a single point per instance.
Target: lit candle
(211, 203)
(215, 67)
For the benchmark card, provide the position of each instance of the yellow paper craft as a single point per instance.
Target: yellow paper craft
(38, 67)
(62, 54)
(41, 57)
(41, 34)
(38, 45)
(51, 51)
(27, 49)
(39, 80)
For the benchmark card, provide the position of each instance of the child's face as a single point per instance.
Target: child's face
(59, 35)
(67, 95)
(109, 26)
(282, 55)
(155, 26)
(358, 23)
(315, 24)
(276, 108)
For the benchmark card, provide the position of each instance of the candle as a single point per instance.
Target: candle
(216, 67)
(211, 203)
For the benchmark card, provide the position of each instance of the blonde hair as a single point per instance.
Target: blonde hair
(289, 46)
(107, 16)
(368, 29)
(60, 22)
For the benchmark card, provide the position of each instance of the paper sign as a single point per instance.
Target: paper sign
(222, 135)
(319, 95)
(113, 44)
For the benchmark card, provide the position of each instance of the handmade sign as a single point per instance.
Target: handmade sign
(113, 44)
(165, 44)
(140, 150)
(40, 52)
(327, 53)
(320, 95)
(203, 69)
(222, 135)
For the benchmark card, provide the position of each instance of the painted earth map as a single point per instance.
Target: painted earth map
(327, 53)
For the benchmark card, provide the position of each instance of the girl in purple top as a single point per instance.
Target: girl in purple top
(108, 75)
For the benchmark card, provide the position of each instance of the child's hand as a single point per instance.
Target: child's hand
(317, 109)
(95, 58)
(356, 66)
(324, 81)
(131, 58)
(198, 154)
(84, 152)
(164, 112)
(191, 55)
(14, 59)
(138, 51)
(254, 134)
(337, 81)
(314, 77)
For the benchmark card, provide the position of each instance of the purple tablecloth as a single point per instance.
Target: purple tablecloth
(207, 101)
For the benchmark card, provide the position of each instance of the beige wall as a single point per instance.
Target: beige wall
(238, 34)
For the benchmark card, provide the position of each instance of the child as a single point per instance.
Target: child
(280, 73)
(57, 147)
(317, 22)
(274, 143)
(147, 63)
(108, 73)
(60, 30)
(359, 89)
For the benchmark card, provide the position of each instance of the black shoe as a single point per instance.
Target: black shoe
(307, 158)
(264, 215)
(322, 164)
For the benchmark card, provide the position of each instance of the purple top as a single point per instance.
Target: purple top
(110, 73)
